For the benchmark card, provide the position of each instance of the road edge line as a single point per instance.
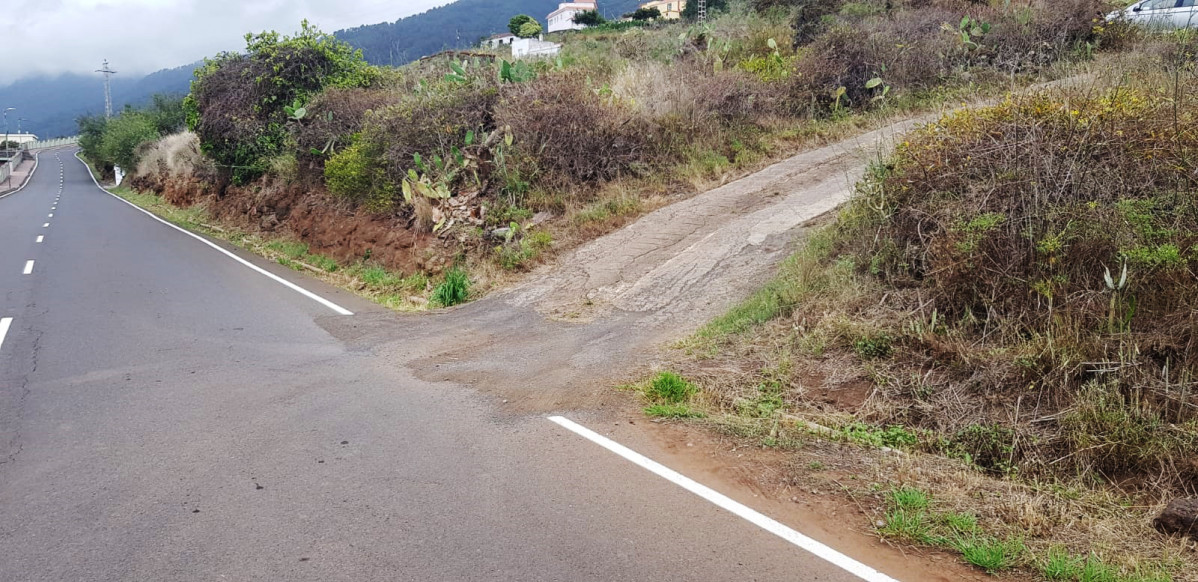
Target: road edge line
(726, 503)
(306, 293)
(5, 323)
(36, 159)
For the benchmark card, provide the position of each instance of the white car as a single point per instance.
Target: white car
(1160, 14)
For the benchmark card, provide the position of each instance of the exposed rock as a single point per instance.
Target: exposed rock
(1179, 517)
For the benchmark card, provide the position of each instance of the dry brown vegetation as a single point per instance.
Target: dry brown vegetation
(970, 307)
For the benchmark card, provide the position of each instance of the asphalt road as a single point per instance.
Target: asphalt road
(168, 414)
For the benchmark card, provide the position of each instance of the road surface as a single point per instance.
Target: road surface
(168, 414)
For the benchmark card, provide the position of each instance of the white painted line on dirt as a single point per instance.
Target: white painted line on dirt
(28, 268)
(41, 238)
(724, 502)
(5, 323)
(284, 282)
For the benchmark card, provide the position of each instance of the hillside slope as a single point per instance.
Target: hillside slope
(457, 25)
(50, 105)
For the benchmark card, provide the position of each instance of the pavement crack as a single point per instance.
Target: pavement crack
(16, 444)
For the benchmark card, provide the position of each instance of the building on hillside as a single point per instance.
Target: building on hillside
(498, 40)
(670, 9)
(19, 138)
(525, 48)
(563, 17)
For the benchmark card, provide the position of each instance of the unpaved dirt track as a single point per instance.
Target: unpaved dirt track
(168, 414)
(601, 312)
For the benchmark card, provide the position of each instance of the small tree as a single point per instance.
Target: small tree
(589, 18)
(646, 14)
(529, 29)
(516, 22)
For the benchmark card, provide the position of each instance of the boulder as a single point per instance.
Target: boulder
(1180, 517)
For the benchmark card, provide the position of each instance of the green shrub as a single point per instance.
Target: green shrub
(355, 173)
(453, 290)
(874, 346)
(239, 103)
(669, 388)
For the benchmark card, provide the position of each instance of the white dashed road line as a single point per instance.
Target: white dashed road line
(47, 225)
(41, 238)
(5, 323)
(724, 502)
(28, 267)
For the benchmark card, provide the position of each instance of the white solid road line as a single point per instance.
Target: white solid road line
(284, 282)
(5, 323)
(724, 502)
(28, 268)
(41, 238)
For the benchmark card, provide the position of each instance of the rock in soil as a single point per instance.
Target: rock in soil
(1179, 517)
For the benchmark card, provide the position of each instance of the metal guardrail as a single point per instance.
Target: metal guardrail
(50, 143)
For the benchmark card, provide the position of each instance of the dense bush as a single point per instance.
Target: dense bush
(239, 102)
(1058, 236)
(334, 116)
(575, 135)
(927, 43)
(117, 141)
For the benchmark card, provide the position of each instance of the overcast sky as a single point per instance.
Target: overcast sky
(143, 36)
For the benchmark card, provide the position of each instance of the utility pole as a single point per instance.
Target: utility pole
(702, 10)
(108, 73)
(7, 147)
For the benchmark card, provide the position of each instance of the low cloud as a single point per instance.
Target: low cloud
(50, 37)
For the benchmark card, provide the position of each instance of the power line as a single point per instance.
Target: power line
(108, 73)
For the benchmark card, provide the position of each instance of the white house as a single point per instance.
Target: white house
(498, 40)
(523, 48)
(563, 17)
(19, 138)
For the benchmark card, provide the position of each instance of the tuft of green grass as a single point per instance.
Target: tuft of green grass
(672, 411)
(962, 523)
(1059, 565)
(909, 524)
(323, 263)
(909, 498)
(453, 290)
(1095, 570)
(379, 277)
(289, 249)
(670, 388)
(895, 436)
(989, 553)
